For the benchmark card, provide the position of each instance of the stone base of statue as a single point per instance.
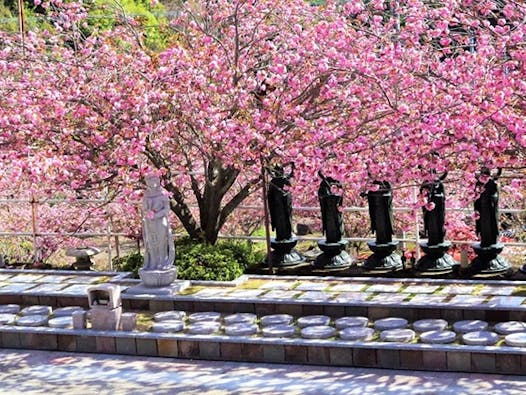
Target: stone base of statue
(158, 282)
(436, 258)
(384, 258)
(488, 260)
(283, 253)
(334, 255)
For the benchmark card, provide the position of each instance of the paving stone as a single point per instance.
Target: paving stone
(87, 279)
(466, 326)
(26, 278)
(241, 329)
(430, 325)
(458, 289)
(354, 333)
(390, 323)
(384, 288)
(61, 322)
(397, 335)
(76, 289)
(516, 339)
(438, 337)
(66, 311)
(348, 322)
(210, 293)
(55, 278)
(203, 328)
(506, 301)
(467, 300)
(7, 319)
(315, 295)
(497, 290)
(276, 319)
(175, 315)
(208, 316)
(420, 289)
(423, 299)
(509, 327)
(280, 294)
(283, 285)
(239, 318)
(168, 326)
(49, 288)
(246, 293)
(318, 332)
(32, 320)
(480, 338)
(388, 298)
(16, 287)
(36, 310)
(348, 287)
(9, 308)
(5, 276)
(280, 330)
(313, 320)
(311, 286)
(352, 297)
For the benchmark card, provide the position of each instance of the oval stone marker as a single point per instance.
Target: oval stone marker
(516, 339)
(357, 333)
(241, 329)
(9, 309)
(318, 332)
(7, 319)
(168, 326)
(430, 325)
(240, 317)
(208, 316)
(348, 322)
(438, 337)
(61, 322)
(32, 320)
(480, 338)
(36, 310)
(203, 328)
(313, 320)
(390, 323)
(169, 316)
(397, 335)
(509, 327)
(470, 326)
(276, 319)
(66, 311)
(280, 330)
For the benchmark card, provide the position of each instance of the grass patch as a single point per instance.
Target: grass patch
(252, 284)
(144, 321)
(191, 290)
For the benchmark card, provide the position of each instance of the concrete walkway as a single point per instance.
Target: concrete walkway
(42, 372)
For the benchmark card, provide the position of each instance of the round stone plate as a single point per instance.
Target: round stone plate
(32, 320)
(66, 311)
(168, 326)
(276, 319)
(7, 319)
(203, 328)
(480, 338)
(240, 317)
(348, 322)
(209, 316)
(318, 332)
(357, 333)
(9, 308)
(313, 320)
(507, 328)
(169, 316)
(470, 326)
(438, 337)
(390, 323)
(397, 335)
(430, 325)
(516, 339)
(36, 310)
(61, 322)
(241, 329)
(279, 330)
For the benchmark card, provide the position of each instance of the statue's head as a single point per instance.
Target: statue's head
(152, 180)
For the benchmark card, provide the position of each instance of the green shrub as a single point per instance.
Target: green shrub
(129, 263)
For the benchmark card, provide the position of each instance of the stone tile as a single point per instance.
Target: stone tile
(39, 341)
(86, 279)
(188, 349)
(434, 360)
(340, 356)
(388, 298)
(125, 345)
(246, 293)
(420, 289)
(55, 278)
(282, 285)
(458, 289)
(26, 278)
(67, 343)
(147, 347)
(167, 348)
(209, 350)
(105, 344)
(252, 352)
(10, 339)
(506, 301)
(296, 354)
(497, 290)
(16, 287)
(389, 359)
(319, 355)
(6, 276)
(384, 288)
(364, 357)
(311, 286)
(48, 287)
(508, 364)
(76, 289)
(211, 293)
(348, 287)
(280, 294)
(411, 359)
(274, 353)
(458, 361)
(483, 363)
(86, 344)
(425, 299)
(314, 295)
(351, 297)
(230, 351)
(467, 300)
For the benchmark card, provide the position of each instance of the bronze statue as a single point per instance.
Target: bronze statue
(330, 214)
(381, 212)
(487, 206)
(280, 202)
(434, 219)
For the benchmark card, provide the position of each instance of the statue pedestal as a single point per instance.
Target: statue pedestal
(334, 255)
(488, 260)
(436, 258)
(384, 258)
(283, 253)
(158, 282)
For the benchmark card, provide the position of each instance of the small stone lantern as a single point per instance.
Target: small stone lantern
(105, 306)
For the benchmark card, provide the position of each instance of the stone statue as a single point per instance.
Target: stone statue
(434, 219)
(487, 206)
(330, 213)
(381, 212)
(280, 202)
(158, 242)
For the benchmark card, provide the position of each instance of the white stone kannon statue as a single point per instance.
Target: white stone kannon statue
(159, 255)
